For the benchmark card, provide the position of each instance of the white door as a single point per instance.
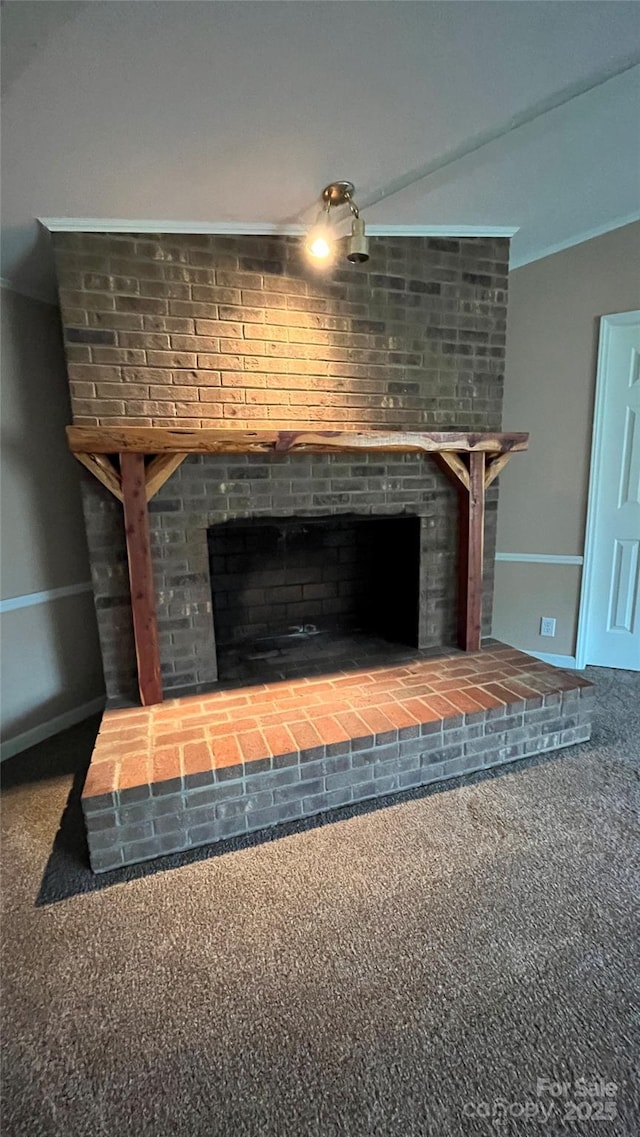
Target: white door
(610, 617)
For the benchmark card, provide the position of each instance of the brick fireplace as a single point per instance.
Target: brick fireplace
(205, 332)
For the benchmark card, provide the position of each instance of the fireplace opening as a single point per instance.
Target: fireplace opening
(298, 596)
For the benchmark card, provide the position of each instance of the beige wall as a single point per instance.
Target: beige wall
(524, 593)
(552, 339)
(50, 662)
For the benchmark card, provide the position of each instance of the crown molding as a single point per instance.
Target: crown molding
(258, 228)
(442, 230)
(588, 235)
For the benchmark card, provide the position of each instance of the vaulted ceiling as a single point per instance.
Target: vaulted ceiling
(443, 114)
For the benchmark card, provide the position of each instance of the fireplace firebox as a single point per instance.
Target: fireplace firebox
(293, 595)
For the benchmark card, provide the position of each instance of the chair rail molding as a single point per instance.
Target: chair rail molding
(541, 558)
(13, 603)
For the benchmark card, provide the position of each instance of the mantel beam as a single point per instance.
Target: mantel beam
(174, 440)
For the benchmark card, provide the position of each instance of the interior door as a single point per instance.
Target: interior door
(612, 561)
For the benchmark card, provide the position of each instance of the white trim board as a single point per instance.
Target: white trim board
(540, 558)
(267, 228)
(258, 228)
(619, 319)
(48, 729)
(32, 598)
(568, 662)
(570, 242)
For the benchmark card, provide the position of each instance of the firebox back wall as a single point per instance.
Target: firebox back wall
(240, 331)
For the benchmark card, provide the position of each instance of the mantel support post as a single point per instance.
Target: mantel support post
(470, 555)
(143, 601)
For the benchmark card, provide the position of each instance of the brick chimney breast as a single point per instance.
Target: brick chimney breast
(209, 331)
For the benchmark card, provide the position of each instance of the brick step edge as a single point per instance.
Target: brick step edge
(133, 832)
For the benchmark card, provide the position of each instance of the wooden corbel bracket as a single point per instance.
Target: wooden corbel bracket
(495, 465)
(157, 471)
(456, 469)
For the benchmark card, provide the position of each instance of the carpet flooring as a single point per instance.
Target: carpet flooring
(402, 970)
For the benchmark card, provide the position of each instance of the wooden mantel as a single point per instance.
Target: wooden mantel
(471, 460)
(173, 440)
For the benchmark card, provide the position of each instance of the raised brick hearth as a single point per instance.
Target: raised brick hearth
(204, 768)
(191, 333)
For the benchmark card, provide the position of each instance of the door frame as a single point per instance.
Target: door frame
(607, 324)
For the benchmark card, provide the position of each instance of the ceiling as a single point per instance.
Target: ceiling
(237, 113)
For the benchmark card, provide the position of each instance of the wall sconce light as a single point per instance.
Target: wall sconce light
(321, 238)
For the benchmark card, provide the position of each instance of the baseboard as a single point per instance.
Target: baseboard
(567, 662)
(47, 729)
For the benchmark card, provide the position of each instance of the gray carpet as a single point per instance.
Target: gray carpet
(386, 973)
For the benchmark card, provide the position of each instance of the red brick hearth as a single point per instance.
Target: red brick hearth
(200, 769)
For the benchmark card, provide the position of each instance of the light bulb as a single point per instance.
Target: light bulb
(319, 242)
(319, 247)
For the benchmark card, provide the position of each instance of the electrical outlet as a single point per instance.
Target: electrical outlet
(547, 626)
